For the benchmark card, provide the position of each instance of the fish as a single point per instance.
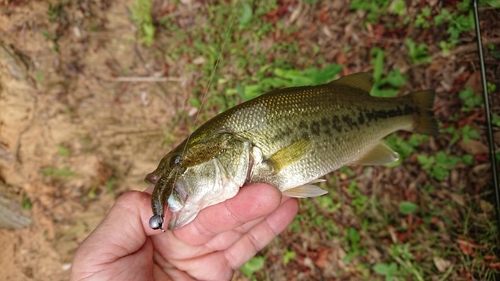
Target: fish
(287, 138)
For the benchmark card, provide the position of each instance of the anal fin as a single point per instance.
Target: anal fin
(380, 154)
(304, 191)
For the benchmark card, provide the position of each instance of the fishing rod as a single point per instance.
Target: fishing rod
(487, 111)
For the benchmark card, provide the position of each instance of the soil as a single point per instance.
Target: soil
(72, 138)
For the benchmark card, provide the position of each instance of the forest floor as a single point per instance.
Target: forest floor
(94, 93)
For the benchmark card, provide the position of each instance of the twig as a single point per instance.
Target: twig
(472, 47)
(149, 79)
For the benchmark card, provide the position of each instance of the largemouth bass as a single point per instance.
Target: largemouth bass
(287, 138)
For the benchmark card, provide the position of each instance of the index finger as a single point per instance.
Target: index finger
(252, 202)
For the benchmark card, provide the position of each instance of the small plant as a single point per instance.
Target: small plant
(407, 208)
(359, 200)
(491, 87)
(287, 78)
(63, 173)
(403, 147)
(26, 203)
(464, 133)
(390, 271)
(495, 120)
(398, 7)
(253, 265)
(470, 99)
(51, 37)
(422, 19)
(63, 151)
(288, 256)
(56, 12)
(418, 53)
(353, 240)
(439, 166)
(384, 86)
(457, 23)
(141, 15)
(373, 8)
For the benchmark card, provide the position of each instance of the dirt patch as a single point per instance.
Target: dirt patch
(72, 137)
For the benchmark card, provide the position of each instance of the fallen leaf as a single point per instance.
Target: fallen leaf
(489, 257)
(321, 260)
(441, 264)
(467, 247)
(494, 265)
(474, 147)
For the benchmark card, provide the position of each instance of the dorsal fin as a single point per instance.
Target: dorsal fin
(363, 81)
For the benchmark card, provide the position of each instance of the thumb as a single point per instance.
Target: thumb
(122, 232)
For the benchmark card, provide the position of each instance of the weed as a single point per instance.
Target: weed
(491, 87)
(56, 12)
(439, 166)
(288, 256)
(26, 203)
(495, 120)
(457, 24)
(50, 37)
(288, 78)
(253, 265)
(398, 7)
(353, 240)
(464, 133)
(493, 52)
(63, 173)
(470, 99)
(384, 86)
(110, 183)
(141, 15)
(373, 8)
(39, 76)
(418, 53)
(407, 208)
(390, 270)
(422, 19)
(63, 151)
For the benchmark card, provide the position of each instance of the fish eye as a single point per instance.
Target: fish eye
(175, 159)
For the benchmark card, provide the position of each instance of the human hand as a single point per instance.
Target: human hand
(220, 240)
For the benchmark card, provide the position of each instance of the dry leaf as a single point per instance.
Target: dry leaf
(474, 147)
(441, 264)
(467, 247)
(321, 260)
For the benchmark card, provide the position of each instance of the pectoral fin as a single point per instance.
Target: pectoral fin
(379, 155)
(304, 191)
(289, 155)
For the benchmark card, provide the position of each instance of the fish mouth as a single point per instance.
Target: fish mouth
(180, 219)
(151, 178)
(183, 216)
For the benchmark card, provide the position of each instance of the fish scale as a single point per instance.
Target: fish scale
(286, 138)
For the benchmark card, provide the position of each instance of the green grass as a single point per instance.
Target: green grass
(141, 16)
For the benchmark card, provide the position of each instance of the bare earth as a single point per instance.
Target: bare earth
(71, 100)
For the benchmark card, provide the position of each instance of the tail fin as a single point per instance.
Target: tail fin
(424, 122)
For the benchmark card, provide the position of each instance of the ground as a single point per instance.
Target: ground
(77, 130)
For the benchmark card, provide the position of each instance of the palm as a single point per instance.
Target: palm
(218, 241)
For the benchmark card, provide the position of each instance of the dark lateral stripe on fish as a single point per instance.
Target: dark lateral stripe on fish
(345, 122)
